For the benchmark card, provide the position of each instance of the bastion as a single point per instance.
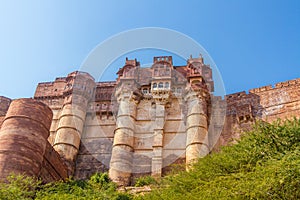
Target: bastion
(139, 124)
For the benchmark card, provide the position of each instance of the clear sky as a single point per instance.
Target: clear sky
(253, 42)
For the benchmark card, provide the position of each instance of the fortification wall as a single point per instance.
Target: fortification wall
(160, 129)
(23, 142)
(267, 103)
(281, 101)
(53, 168)
(96, 145)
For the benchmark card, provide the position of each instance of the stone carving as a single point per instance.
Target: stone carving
(137, 125)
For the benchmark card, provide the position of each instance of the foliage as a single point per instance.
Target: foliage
(265, 164)
(98, 187)
(18, 187)
(145, 180)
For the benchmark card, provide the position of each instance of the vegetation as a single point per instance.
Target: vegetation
(145, 180)
(98, 187)
(265, 164)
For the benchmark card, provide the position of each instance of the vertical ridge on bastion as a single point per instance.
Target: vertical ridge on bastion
(152, 117)
(23, 142)
(139, 124)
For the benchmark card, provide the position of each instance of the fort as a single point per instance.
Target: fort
(139, 124)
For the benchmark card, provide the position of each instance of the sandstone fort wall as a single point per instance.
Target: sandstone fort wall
(139, 124)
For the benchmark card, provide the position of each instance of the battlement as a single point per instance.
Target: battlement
(4, 104)
(279, 85)
(145, 120)
(288, 83)
(60, 79)
(198, 59)
(261, 89)
(133, 62)
(235, 96)
(163, 58)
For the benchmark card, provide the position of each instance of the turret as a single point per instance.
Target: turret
(127, 95)
(78, 92)
(199, 87)
(199, 73)
(23, 137)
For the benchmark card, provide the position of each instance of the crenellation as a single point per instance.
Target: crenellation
(261, 89)
(287, 83)
(139, 124)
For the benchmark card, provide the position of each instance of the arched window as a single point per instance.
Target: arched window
(156, 72)
(167, 84)
(145, 91)
(154, 85)
(179, 90)
(160, 85)
(167, 71)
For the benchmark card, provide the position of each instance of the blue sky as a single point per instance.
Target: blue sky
(253, 43)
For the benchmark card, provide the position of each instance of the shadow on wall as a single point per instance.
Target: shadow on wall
(242, 111)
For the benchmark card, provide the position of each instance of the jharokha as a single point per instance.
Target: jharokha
(140, 124)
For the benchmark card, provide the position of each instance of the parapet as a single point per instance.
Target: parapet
(279, 85)
(288, 83)
(261, 89)
(235, 96)
(4, 104)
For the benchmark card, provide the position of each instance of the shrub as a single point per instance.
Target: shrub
(19, 187)
(145, 180)
(264, 164)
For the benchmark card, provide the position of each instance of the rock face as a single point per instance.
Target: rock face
(140, 124)
(23, 141)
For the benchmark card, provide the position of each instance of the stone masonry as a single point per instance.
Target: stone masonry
(140, 124)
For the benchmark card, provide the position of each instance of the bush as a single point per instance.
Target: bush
(98, 187)
(263, 165)
(145, 180)
(19, 187)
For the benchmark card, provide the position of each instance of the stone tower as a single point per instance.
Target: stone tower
(127, 95)
(23, 137)
(152, 105)
(78, 92)
(161, 92)
(198, 90)
(139, 124)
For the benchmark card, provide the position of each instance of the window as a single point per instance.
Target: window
(156, 72)
(179, 90)
(167, 84)
(168, 71)
(154, 85)
(145, 91)
(160, 85)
